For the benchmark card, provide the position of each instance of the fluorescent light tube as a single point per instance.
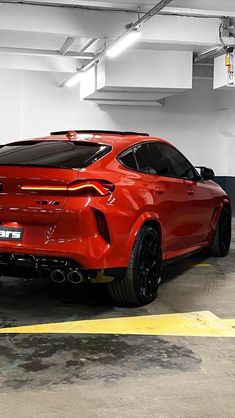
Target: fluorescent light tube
(123, 43)
(72, 81)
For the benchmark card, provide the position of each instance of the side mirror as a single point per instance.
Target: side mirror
(206, 173)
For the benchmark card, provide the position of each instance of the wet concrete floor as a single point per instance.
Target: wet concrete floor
(99, 376)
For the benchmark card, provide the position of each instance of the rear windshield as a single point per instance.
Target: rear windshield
(60, 154)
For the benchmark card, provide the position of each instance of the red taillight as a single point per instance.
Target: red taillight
(89, 185)
(94, 187)
(33, 188)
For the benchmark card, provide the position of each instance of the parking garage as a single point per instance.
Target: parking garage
(70, 346)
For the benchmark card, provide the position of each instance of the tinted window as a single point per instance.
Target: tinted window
(128, 160)
(62, 154)
(152, 160)
(181, 166)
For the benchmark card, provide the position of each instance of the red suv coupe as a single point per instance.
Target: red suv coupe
(104, 206)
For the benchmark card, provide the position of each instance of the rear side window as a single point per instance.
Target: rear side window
(152, 160)
(59, 154)
(128, 159)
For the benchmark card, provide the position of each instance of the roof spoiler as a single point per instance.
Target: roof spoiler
(99, 132)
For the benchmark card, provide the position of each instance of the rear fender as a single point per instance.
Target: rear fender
(140, 222)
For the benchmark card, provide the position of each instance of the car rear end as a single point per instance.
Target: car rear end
(50, 221)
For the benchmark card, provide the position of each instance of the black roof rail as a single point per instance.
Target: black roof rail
(99, 131)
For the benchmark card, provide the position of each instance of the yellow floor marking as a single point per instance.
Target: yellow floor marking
(202, 265)
(230, 322)
(196, 324)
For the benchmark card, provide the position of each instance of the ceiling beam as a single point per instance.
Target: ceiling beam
(211, 53)
(91, 24)
(66, 45)
(117, 6)
(58, 64)
(189, 12)
(46, 52)
(63, 21)
(87, 45)
(181, 30)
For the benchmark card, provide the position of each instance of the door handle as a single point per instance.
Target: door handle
(159, 190)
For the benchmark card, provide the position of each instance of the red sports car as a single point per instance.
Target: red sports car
(105, 206)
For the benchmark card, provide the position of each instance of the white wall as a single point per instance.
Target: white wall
(225, 109)
(10, 104)
(31, 105)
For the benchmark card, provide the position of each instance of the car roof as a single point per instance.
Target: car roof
(118, 141)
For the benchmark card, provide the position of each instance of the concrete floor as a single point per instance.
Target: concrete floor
(103, 376)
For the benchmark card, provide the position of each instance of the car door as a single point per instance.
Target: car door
(199, 199)
(168, 196)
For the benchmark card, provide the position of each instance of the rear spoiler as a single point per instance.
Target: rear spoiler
(99, 132)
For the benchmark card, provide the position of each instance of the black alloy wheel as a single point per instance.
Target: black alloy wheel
(140, 285)
(147, 266)
(222, 237)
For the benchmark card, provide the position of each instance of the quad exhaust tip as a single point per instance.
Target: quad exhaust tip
(58, 276)
(74, 276)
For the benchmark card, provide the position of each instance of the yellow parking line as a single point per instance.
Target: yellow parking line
(202, 265)
(230, 322)
(193, 324)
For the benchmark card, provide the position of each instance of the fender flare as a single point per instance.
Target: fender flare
(223, 202)
(216, 216)
(138, 225)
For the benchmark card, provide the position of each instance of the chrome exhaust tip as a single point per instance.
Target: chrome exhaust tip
(58, 276)
(75, 277)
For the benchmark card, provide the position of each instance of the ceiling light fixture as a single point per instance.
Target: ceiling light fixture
(123, 43)
(125, 40)
(75, 79)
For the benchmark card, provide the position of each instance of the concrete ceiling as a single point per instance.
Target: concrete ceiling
(37, 35)
(61, 35)
(228, 5)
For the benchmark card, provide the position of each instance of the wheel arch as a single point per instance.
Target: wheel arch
(154, 224)
(215, 219)
(221, 239)
(145, 219)
(228, 205)
(225, 203)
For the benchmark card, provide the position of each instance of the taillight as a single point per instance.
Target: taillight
(81, 187)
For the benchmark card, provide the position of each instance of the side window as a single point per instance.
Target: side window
(181, 166)
(128, 159)
(152, 160)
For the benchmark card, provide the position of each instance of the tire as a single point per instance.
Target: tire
(140, 285)
(222, 238)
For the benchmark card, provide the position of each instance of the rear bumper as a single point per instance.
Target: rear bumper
(76, 235)
(33, 266)
(94, 254)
